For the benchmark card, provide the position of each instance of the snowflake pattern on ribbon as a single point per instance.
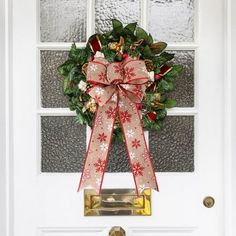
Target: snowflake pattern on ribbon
(117, 96)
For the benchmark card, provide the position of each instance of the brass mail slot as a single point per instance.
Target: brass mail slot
(113, 202)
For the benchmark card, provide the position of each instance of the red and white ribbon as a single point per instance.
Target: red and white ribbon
(117, 88)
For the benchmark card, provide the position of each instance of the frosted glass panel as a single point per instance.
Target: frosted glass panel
(171, 20)
(64, 146)
(184, 85)
(51, 82)
(126, 11)
(172, 148)
(63, 20)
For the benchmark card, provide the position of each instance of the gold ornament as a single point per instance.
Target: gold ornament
(149, 65)
(157, 97)
(90, 105)
(156, 102)
(93, 107)
(117, 46)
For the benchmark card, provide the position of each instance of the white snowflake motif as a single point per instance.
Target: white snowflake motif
(126, 86)
(130, 133)
(99, 91)
(145, 155)
(109, 127)
(103, 147)
(98, 121)
(133, 105)
(141, 187)
(98, 181)
(93, 67)
(121, 104)
(132, 155)
(114, 98)
(86, 175)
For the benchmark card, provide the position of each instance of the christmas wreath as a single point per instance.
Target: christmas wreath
(118, 85)
(118, 45)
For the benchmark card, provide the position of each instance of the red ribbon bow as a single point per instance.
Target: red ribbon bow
(117, 87)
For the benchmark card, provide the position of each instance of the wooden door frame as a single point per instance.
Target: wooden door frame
(3, 183)
(6, 132)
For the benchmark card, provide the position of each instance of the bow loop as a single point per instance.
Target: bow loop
(128, 77)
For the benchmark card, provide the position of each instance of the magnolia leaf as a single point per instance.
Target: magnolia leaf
(131, 27)
(117, 26)
(174, 73)
(141, 34)
(163, 58)
(158, 47)
(150, 40)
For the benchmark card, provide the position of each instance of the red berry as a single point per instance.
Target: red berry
(151, 116)
(125, 55)
(157, 76)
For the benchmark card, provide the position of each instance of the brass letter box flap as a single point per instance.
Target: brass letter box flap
(117, 202)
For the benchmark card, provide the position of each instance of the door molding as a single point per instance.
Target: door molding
(6, 134)
(229, 117)
(2, 122)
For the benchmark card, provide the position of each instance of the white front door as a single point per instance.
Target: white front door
(47, 144)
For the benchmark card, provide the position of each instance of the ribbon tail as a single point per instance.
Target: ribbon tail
(138, 152)
(98, 148)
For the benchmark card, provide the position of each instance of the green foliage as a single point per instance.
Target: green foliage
(131, 27)
(158, 47)
(138, 44)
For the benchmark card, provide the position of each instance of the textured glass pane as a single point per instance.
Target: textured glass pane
(63, 20)
(184, 85)
(171, 20)
(126, 11)
(172, 148)
(51, 82)
(63, 144)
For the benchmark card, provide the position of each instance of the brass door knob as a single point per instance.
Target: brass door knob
(117, 231)
(208, 202)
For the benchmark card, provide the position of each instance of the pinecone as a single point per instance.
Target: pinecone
(149, 65)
